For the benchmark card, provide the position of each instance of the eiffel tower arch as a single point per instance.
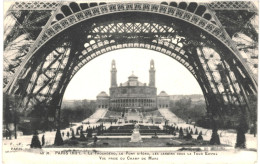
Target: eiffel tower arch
(60, 38)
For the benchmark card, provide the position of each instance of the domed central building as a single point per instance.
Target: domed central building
(133, 94)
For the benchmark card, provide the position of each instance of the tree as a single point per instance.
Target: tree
(89, 133)
(181, 133)
(35, 143)
(241, 139)
(183, 104)
(38, 114)
(215, 137)
(76, 112)
(200, 137)
(58, 139)
(7, 115)
(184, 108)
(82, 136)
(11, 111)
(241, 130)
(188, 136)
(196, 131)
(191, 132)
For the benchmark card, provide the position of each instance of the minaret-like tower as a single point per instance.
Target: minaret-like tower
(113, 74)
(152, 74)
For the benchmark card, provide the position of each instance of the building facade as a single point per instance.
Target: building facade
(132, 93)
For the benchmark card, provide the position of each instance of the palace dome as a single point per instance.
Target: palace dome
(102, 94)
(163, 93)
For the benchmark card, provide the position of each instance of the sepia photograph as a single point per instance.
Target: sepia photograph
(150, 81)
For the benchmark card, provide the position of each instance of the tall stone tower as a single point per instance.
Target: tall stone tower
(113, 74)
(152, 74)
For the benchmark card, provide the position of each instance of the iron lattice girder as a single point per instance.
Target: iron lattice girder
(134, 31)
(36, 5)
(41, 72)
(216, 5)
(232, 5)
(21, 28)
(131, 28)
(26, 22)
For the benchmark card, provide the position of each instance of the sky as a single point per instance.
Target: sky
(94, 77)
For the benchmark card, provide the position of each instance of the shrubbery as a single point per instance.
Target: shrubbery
(185, 108)
(200, 137)
(76, 112)
(188, 136)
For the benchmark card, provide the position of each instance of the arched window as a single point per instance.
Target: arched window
(66, 10)
(207, 16)
(201, 9)
(174, 4)
(84, 6)
(75, 7)
(182, 5)
(59, 16)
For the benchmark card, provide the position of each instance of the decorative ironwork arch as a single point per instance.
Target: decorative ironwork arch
(102, 47)
(78, 14)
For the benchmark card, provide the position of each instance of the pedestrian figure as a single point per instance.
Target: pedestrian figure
(43, 140)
